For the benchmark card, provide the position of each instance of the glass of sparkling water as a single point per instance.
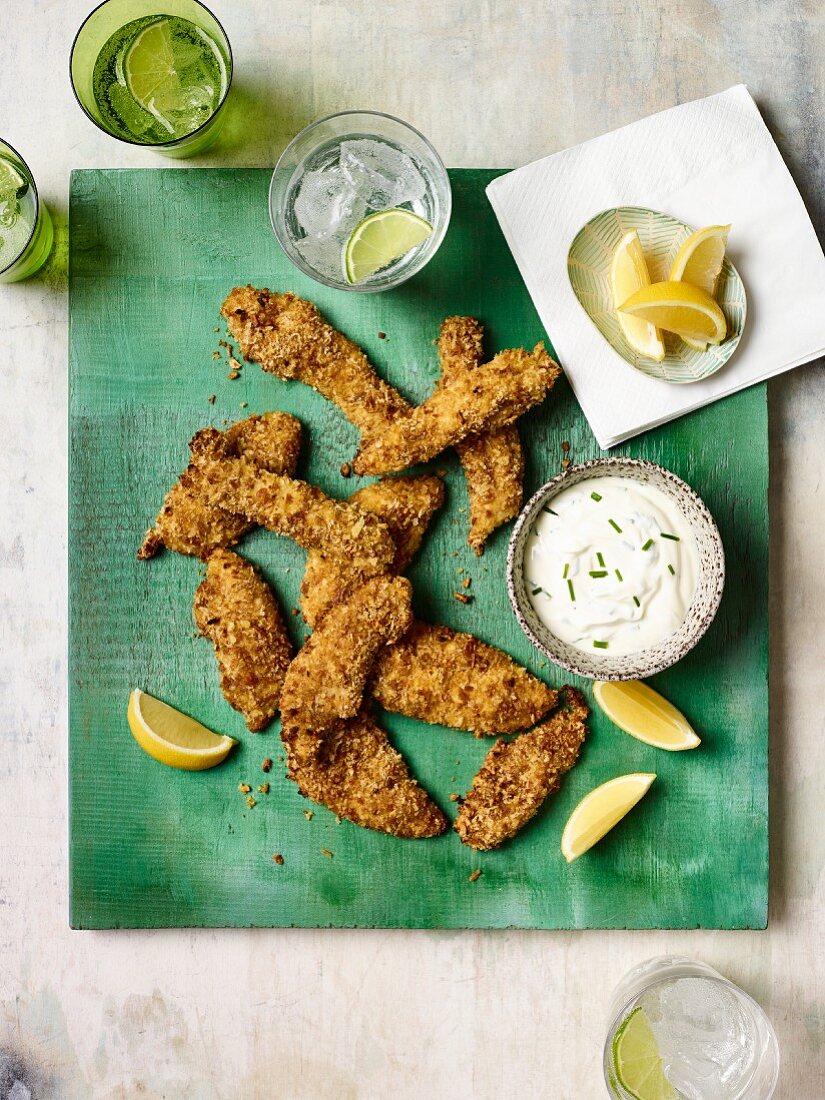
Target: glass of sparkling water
(26, 231)
(680, 1031)
(341, 170)
(154, 73)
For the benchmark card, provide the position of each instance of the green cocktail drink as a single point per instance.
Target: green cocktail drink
(26, 231)
(153, 73)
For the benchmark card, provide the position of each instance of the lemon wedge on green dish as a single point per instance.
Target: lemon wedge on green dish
(645, 714)
(628, 273)
(174, 738)
(678, 307)
(600, 810)
(381, 238)
(637, 1062)
(699, 261)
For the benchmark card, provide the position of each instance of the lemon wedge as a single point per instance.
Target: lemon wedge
(646, 715)
(174, 738)
(682, 308)
(628, 273)
(699, 261)
(637, 1061)
(600, 810)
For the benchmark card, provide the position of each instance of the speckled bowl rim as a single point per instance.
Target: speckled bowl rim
(703, 607)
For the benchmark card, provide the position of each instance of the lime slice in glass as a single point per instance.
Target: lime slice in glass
(637, 1062)
(382, 238)
(11, 182)
(151, 74)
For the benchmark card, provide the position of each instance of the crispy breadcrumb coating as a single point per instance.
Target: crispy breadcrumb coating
(494, 461)
(326, 680)
(188, 524)
(284, 505)
(288, 337)
(517, 776)
(481, 400)
(358, 775)
(406, 505)
(451, 679)
(236, 609)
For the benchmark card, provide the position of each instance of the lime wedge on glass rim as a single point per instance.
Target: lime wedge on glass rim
(382, 238)
(150, 72)
(637, 1062)
(10, 179)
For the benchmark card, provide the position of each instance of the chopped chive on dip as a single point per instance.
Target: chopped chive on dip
(535, 591)
(619, 575)
(571, 590)
(596, 496)
(673, 538)
(600, 559)
(636, 601)
(549, 510)
(615, 525)
(671, 570)
(566, 571)
(600, 645)
(648, 544)
(598, 572)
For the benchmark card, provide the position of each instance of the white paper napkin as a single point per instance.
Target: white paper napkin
(709, 162)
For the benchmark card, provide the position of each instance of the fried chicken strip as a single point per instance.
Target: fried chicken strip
(236, 609)
(517, 776)
(486, 399)
(440, 676)
(358, 775)
(494, 461)
(326, 680)
(188, 524)
(284, 505)
(288, 337)
(406, 505)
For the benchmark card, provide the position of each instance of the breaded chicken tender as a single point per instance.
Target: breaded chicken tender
(406, 505)
(358, 775)
(490, 397)
(188, 524)
(440, 676)
(288, 337)
(284, 505)
(494, 461)
(236, 609)
(326, 680)
(517, 776)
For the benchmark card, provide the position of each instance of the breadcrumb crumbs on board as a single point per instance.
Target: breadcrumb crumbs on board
(475, 875)
(244, 788)
(326, 852)
(308, 814)
(251, 802)
(278, 858)
(263, 788)
(266, 765)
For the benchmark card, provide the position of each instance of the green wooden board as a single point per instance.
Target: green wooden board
(153, 253)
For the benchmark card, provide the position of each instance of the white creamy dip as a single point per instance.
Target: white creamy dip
(611, 565)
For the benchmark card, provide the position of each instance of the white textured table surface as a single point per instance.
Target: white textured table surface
(321, 1015)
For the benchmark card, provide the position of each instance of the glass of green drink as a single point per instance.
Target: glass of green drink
(26, 231)
(154, 73)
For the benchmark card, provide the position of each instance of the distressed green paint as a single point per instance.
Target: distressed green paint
(152, 255)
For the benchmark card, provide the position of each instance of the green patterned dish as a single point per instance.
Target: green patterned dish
(588, 265)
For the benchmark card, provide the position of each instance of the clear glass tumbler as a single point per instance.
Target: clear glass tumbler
(714, 1041)
(26, 231)
(146, 110)
(339, 171)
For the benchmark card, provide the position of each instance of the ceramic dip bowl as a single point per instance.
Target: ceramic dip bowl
(703, 606)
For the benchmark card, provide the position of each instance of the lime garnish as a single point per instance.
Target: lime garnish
(382, 238)
(151, 73)
(637, 1062)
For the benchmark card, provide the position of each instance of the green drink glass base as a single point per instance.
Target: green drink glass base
(36, 252)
